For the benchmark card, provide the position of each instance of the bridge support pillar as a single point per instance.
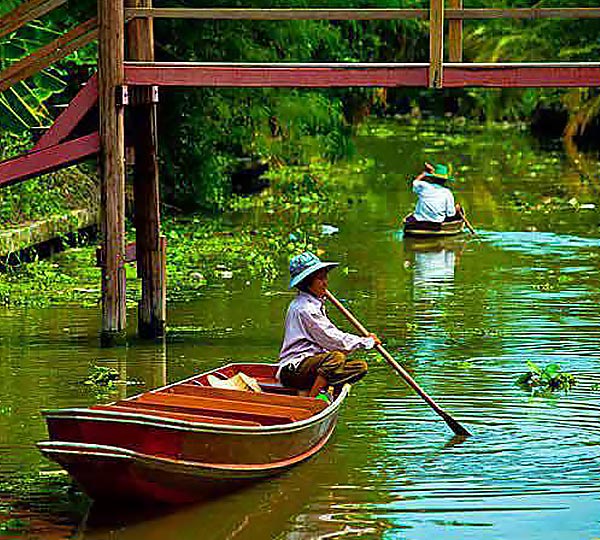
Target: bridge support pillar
(150, 245)
(112, 169)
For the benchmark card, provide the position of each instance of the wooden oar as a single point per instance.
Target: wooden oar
(461, 213)
(454, 425)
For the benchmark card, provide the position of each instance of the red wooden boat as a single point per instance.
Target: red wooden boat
(188, 441)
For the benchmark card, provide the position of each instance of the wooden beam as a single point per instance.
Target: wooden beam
(436, 43)
(48, 159)
(522, 75)
(67, 121)
(142, 115)
(523, 13)
(455, 35)
(278, 14)
(112, 169)
(583, 74)
(25, 13)
(275, 75)
(359, 14)
(48, 54)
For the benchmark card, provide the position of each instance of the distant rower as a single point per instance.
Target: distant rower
(436, 202)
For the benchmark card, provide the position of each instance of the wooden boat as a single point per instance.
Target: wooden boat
(427, 229)
(188, 441)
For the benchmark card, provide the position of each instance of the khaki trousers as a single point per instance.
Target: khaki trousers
(334, 366)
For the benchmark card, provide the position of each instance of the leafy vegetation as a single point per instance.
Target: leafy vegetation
(29, 104)
(545, 380)
(203, 251)
(48, 195)
(205, 133)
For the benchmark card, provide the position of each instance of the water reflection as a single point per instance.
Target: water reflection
(308, 502)
(433, 262)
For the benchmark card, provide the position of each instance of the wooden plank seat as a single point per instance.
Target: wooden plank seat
(313, 405)
(256, 412)
(133, 408)
(222, 414)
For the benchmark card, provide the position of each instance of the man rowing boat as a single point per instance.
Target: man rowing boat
(314, 351)
(435, 203)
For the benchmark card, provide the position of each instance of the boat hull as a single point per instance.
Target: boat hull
(119, 453)
(112, 474)
(421, 229)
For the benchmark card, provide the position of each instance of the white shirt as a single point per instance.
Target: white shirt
(435, 203)
(308, 332)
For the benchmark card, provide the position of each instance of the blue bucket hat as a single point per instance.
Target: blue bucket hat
(305, 264)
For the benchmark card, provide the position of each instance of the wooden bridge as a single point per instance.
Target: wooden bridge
(128, 79)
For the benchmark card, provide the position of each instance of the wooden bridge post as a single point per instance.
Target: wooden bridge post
(112, 168)
(455, 34)
(436, 43)
(150, 247)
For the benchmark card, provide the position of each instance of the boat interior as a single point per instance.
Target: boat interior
(194, 400)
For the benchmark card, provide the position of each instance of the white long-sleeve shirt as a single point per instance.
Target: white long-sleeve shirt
(308, 332)
(435, 203)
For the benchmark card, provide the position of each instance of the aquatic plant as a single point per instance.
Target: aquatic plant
(545, 380)
(102, 376)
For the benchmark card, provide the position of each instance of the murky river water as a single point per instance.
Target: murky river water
(463, 315)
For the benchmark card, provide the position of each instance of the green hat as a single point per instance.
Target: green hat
(441, 172)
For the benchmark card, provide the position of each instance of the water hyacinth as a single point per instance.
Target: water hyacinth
(544, 380)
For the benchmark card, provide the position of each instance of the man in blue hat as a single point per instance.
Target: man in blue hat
(314, 351)
(435, 202)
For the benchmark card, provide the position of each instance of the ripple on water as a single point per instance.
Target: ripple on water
(540, 243)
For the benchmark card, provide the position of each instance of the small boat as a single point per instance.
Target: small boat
(428, 229)
(189, 441)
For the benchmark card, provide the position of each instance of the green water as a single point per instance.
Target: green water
(462, 315)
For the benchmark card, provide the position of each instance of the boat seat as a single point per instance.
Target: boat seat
(313, 405)
(129, 408)
(262, 413)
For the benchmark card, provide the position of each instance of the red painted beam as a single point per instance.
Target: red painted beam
(67, 121)
(358, 74)
(522, 75)
(276, 75)
(48, 160)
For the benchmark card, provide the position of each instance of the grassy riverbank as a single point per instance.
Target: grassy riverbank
(51, 194)
(203, 250)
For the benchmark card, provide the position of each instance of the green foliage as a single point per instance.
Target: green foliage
(102, 376)
(25, 105)
(544, 40)
(103, 381)
(203, 251)
(206, 131)
(545, 380)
